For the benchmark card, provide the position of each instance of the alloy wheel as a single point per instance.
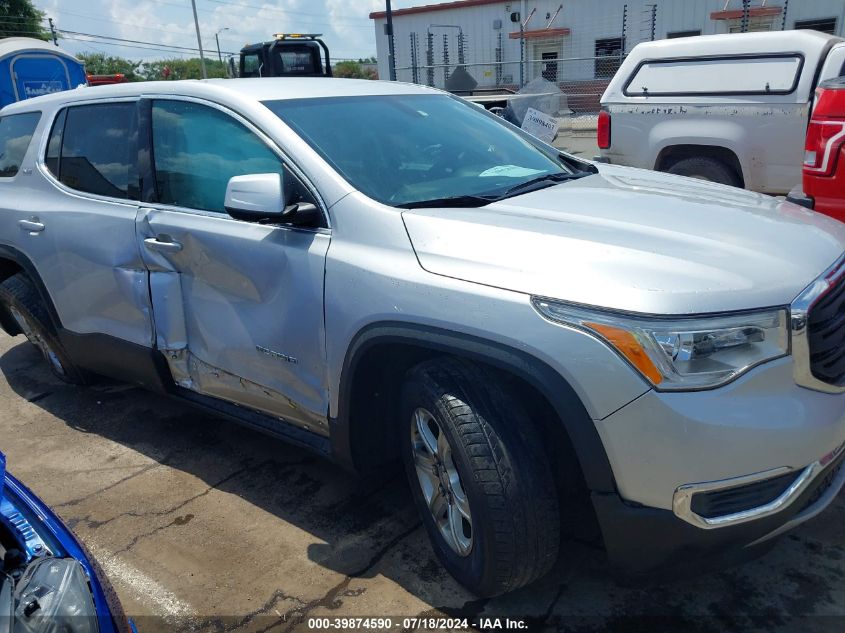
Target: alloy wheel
(440, 482)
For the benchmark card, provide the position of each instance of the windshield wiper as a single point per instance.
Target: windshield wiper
(541, 182)
(450, 201)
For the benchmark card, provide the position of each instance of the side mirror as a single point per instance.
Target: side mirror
(257, 198)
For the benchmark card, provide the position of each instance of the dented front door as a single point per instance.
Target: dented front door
(237, 306)
(238, 310)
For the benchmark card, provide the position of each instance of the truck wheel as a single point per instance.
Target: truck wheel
(20, 299)
(704, 168)
(479, 477)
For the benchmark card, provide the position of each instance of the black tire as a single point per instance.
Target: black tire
(705, 168)
(24, 307)
(502, 468)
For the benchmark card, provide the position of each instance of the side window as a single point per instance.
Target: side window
(197, 149)
(98, 150)
(759, 74)
(251, 66)
(15, 135)
(54, 145)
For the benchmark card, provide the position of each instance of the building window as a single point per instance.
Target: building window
(825, 25)
(755, 23)
(609, 53)
(549, 66)
(676, 34)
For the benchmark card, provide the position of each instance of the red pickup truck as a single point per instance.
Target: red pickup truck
(824, 156)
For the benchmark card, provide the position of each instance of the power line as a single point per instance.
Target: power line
(135, 46)
(143, 48)
(121, 39)
(26, 32)
(91, 17)
(144, 45)
(271, 9)
(261, 8)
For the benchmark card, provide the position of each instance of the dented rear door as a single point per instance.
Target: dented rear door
(77, 223)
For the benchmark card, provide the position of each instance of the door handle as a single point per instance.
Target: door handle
(162, 245)
(33, 226)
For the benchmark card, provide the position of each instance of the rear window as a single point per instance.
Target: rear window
(298, 61)
(15, 135)
(737, 75)
(93, 148)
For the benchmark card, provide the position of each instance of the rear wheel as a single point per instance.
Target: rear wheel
(479, 477)
(705, 168)
(23, 304)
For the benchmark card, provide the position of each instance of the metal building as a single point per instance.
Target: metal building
(578, 44)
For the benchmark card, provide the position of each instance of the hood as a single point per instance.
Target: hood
(634, 240)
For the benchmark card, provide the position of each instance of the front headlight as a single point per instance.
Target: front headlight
(683, 353)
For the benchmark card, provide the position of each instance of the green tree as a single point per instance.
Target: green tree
(353, 70)
(181, 69)
(19, 18)
(102, 64)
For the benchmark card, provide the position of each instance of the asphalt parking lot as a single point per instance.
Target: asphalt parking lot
(202, 525)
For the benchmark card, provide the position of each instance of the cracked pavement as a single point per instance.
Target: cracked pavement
(202, 525)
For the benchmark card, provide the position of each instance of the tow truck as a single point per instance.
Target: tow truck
(286, 55)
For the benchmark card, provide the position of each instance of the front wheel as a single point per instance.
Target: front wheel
(479, 476)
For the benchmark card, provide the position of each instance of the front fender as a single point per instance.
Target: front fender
(557, 391)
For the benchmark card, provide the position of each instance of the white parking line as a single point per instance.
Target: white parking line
(147, 591)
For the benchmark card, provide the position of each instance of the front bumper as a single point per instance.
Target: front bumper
(639, 539)
(664, 448)
(661, 442)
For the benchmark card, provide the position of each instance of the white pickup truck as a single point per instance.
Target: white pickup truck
(727, 108)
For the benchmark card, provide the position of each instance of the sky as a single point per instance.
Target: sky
(344, 24)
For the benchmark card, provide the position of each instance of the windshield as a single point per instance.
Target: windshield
(404, 150)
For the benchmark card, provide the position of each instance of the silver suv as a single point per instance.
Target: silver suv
(383, 272)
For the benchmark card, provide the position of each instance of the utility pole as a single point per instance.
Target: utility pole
(391, 59)
(217, 39)
(199, 39)
(53, 31)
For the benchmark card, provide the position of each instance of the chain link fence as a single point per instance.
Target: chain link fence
(581, 62)
(471, 59)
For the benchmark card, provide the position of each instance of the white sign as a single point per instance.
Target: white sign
(543, 126)
(39, 88)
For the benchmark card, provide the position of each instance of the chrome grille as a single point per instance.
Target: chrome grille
(818, 332)
(826, 336)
